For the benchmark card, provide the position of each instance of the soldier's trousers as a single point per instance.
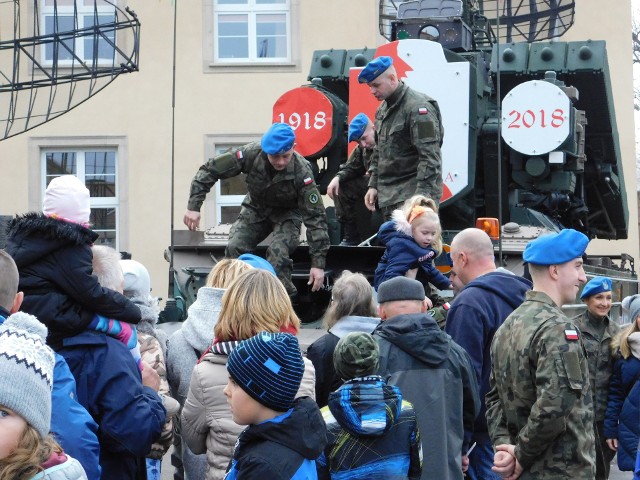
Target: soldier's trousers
(352, 194)
(246, 233)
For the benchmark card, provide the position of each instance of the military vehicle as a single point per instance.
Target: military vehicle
(530, 135)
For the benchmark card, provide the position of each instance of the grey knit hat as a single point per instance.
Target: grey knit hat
(631, 305)
(26, 370)
(400, 288)
(356, 355)
(269, 367)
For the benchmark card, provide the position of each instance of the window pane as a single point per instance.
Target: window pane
(229, 214)
(233, 48)
(233, 39)
(100, 173)
(106, 238)
(232, 2)
(64, 24)
(270, 2)
(98, 43)
(60, 163)
(271, 38)
(103, 219)
(234, 185)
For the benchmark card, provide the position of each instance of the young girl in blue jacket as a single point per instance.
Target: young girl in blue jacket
(621, 425)
(413, 239)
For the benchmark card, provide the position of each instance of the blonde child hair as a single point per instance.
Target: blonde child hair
(351, 295)
(225, 272)
(621, 341)
(26, 460)
(419, 209)
(255, 302)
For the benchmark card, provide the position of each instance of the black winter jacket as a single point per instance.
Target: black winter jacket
(54, 259)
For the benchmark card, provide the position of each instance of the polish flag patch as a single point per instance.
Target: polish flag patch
(423, 110)
(239, 155)
(571, 334)
(308, 181)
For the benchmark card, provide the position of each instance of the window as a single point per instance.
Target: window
(252, 31)
(66, 16)
(97, 168)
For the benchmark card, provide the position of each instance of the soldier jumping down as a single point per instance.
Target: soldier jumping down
(281, 195)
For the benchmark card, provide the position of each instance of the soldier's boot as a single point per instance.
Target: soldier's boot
(350, 236)
(284, 274)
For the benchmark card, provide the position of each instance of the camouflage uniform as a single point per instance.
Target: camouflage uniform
(354, 181)
(151, 352)
(596, 336)
(407, 159)
(277, 202)
(540, 397)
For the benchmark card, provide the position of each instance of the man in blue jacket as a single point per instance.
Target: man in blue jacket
(488, 297)
(71, 424)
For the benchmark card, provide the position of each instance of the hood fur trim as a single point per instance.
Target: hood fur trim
(50, 228)
(402, 224)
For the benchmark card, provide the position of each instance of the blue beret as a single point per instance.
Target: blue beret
(596, 285)
(278, 139)
(374, 68)
(257, 262)
(556, 248)
(357, 126)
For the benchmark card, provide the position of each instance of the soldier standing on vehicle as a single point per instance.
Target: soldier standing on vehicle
(281, 195)
(407, 160)
(349, 186)
(540, 408)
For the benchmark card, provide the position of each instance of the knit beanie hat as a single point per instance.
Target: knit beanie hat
(137, 282)
(269, 367)
(67, 197)
(26, 370)
(631, 305)
(356, 355)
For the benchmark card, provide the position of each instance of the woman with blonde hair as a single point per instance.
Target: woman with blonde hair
(255, 302)
(352, 309)
(621, 425)
(189, 343)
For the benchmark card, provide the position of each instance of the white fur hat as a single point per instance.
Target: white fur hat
(137, 282)
(67, 197)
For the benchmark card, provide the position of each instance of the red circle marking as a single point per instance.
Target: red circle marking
(310, 113)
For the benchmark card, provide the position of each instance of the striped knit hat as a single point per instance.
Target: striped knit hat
(269, 368)
(26, 370)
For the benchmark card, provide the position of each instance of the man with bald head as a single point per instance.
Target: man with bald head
(488, 297)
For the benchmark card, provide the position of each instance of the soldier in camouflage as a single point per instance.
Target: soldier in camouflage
(349, 186)
(407, 160)
(597, 332)
(540, 408)
(282, 194)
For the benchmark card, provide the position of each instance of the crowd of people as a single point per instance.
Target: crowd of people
(499, 383)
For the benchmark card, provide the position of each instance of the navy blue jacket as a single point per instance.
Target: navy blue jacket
(71, 425)
(475, 315)
(623, 410)
(403, 254)
(282, 448)
(54, 259)
(129, 415)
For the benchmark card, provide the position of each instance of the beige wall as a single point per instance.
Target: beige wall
(137, 107)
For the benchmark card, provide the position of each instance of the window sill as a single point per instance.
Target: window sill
(251, 67)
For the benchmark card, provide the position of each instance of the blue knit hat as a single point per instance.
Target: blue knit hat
(269, 367)
(374, 69)
(278, 139)
(556, 248)
(357, 126)
(257, 262)
(596, 285)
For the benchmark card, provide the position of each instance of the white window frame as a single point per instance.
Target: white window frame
(38, 149)
(68, 10)
(213, 64)
(252, 10)
(214, 203)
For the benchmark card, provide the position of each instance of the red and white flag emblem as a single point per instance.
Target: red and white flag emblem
(571, 334)
(239, 155)
(308, 181)
(423, 110)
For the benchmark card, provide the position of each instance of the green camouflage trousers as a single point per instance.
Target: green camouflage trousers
(352, 194)
(246, 234)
